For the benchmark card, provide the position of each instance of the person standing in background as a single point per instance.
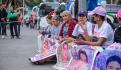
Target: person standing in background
(34, 18)
(0, 20)
(12, 16)
(19, 19)
(3, 20)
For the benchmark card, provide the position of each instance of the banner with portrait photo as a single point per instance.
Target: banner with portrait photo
(83, 57)
(108, 60)
(63, 56)
(47, 50)
(114, 46)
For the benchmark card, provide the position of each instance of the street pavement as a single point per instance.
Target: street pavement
(14, 53)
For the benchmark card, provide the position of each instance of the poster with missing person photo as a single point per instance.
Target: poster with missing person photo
(63, 56)
(114, 46)
(108, 60)
(48, 49)
(82, 57)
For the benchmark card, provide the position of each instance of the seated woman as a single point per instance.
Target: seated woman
(103, 34)
(48, 47)
(117, 34)
(82, 30)
(45, 32)
(56, 27)
(51, 42)
(47, 29)
(67, 26)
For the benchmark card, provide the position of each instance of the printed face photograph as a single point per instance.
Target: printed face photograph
(113, 63)
(85, 56)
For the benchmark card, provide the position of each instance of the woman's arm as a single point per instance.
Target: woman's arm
(100, 42)
(60, 39)
(87, 37)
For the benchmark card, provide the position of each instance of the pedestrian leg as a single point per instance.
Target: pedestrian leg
(11, 30)
(19, 28)
(3, 30)
(0, 29)
(16, 30)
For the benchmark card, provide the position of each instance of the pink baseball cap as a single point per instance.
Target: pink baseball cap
(99, 11)
(118, 15)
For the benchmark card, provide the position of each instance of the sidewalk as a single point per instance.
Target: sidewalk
(14, 53)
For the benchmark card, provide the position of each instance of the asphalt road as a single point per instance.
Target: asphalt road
(14, 53)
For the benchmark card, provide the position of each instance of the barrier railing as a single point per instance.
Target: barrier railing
(10, 22)
(112, 8)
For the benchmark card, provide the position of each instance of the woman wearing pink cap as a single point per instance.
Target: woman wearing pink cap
(117, 34)
(103, 33)
(119, 16)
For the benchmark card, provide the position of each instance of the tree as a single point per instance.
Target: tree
(16, 3)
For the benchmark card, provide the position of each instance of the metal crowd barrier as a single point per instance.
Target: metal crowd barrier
(112, 8)
(9, 22)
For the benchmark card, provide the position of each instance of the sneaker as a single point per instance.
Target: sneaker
(18, 37)
(3, 37)
(12, 37)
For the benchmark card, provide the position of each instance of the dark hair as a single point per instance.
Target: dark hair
(117, 35)
(49, 17)
(12, 7)
(82, 52)
(111, 24)
(82, 13)
(113, 58)
(102, 18)
(57, 18)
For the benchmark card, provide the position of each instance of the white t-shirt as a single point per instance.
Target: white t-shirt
(104, 31)
(78, 29)
(56, 30)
